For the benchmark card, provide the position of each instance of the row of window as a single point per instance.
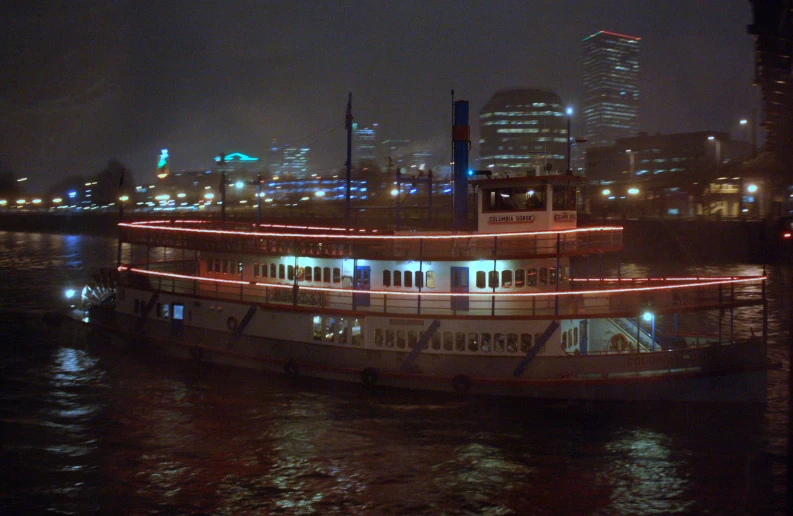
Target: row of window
(338, 330)
(519, 278)
(456, 341)
(408, 279)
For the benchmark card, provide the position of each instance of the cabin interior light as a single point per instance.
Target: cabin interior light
(647, 316)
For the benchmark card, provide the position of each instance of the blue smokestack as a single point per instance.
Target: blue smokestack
(461, 136)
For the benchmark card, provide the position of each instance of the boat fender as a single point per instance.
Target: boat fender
(197, 353)
(231, 323)
(461, 384)
(291, 369)
(369, 376)
(619, 342)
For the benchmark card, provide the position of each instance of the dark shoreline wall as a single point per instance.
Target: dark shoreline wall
(678, 241)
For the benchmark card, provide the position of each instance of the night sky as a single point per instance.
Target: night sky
(83, 82)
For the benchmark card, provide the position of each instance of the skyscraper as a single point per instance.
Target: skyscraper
(522, 128)
(611, 87)
(365, 143)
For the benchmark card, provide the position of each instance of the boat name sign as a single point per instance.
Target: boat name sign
(509, 219)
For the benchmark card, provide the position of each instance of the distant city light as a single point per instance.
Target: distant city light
(3, 202)
(238, 184)
(751, 188)
(606, 192)
(711, 137)
(744, 121)
(36, 201)
(123, 198)
(181, 195)
(569, 111)
(394, 192)
(320, 193)
(57, 200)
(72, 194)
(633, 191)
(22, 179)
(163, 197)
(209, 196)
(69, 293)
(20, 201)
(647, 316)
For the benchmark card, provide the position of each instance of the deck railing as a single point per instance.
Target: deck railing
(316, 243)
(675, 297)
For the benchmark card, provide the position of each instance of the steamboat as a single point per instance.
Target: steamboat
(508, 308)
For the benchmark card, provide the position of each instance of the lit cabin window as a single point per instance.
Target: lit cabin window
(525, 342)
(389, 338)
(531, 277)
(281, 271)
(337, 275)
(543, 276)
(564, 198)
(418, 279)
(400, 341)
(357, 335)
(514, 199)
(552, 273)
(317, 274)
(397, 278)
(520, 278)
(378, 337)
(430, 279)
(408, 279)
(506, 279)
(473, 342)
(308, 273)
(326, 274)
(386, 278)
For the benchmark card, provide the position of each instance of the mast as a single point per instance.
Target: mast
(348, 125)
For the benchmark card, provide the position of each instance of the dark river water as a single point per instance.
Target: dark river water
(86, 428)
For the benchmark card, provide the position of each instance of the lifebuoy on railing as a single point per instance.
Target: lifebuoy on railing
(619, 342)
(231, 323)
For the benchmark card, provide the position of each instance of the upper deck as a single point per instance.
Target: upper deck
(333, 242)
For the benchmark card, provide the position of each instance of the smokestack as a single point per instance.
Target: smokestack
(461, 136)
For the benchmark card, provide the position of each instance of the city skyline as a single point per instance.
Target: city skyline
(124, 82)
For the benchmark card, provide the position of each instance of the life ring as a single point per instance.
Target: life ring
(231, 323)
(619, 342)
(369, 376)
(461, 384)
(291, 369)
(197, 353)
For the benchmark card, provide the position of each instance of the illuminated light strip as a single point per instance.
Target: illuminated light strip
(638, 280)
(441, 294)
(373, 237)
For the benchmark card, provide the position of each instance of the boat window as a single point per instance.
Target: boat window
(564, 341)
(225, 266)
(357, 335)
(337, 275)
(397, 278)
(473, 342)
(401, 339)
(459, 341)
(498, 343)
(290, 272)
(330, 329)
(308, 273)
(386, 278)
(512, 342)
(564, 197)
(514, 199)
(531, 277)
(408, 279)
(255, 269)
(543, 276)
(525, 342)
(378, 337)
(264, 270)
(217, 265)
(492, 279)
(448, 341)
(412, 339)
(210, 264)
(272, 270)
(563, 273)
(326, 274)
(486, 342)
(575, 336)
(281, 271)
(436, 341)
(480, 279)
(317, 274)
(419, 277)
(430, 279)
(317, 327)
(343, 331)
(552, 272)
(520, 278)
(389, 338)
(506, 279)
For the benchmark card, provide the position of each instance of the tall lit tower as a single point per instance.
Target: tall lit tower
(611, 87)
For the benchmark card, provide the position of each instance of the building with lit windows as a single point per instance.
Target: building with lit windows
(611, 87)
(294, 162)
(365, 143)
(523, 130)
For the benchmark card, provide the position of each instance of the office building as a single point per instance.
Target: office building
(365, 143)
(610, 106)
(523, 130)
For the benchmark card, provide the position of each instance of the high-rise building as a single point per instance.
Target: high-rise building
(773, 43)
(365, 143)
(295, 162)
(521, 130)
(611, 87)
